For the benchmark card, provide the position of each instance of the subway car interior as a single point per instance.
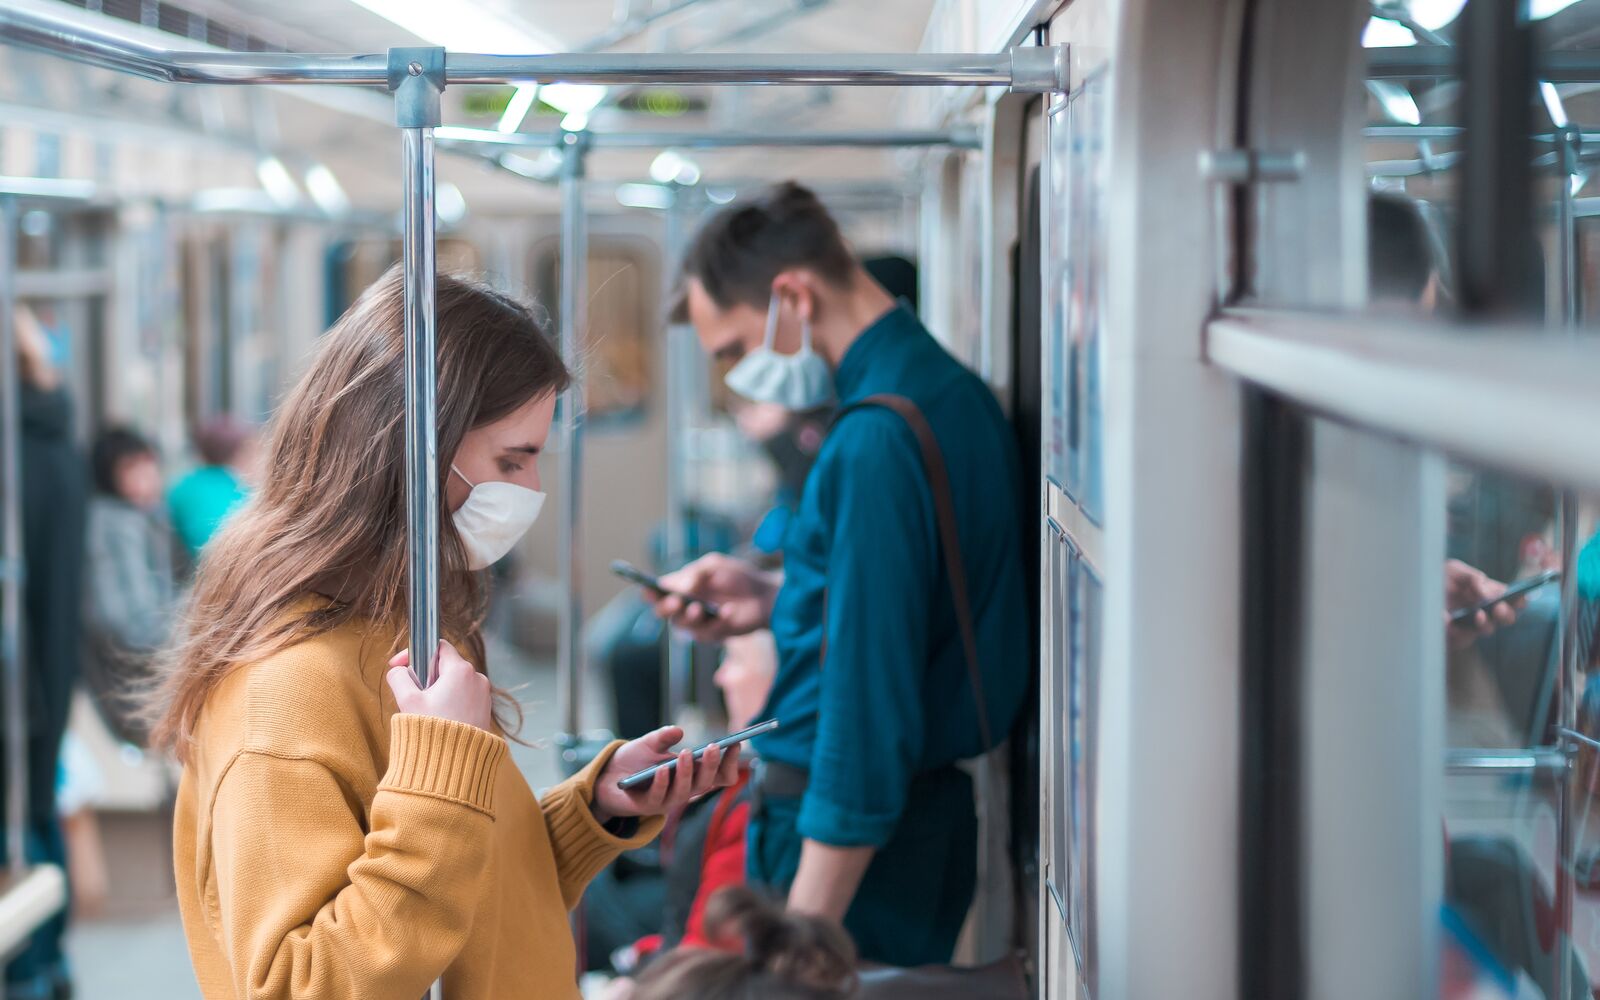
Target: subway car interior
(1279, 307)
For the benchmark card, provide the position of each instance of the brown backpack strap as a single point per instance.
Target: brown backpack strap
(944, 509)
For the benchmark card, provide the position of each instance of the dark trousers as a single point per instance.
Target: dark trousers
(916, 892)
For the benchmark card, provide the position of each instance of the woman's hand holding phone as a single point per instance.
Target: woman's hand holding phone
(743, 596)
(671, 788)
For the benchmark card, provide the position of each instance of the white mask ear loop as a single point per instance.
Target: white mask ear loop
(464, 479)
(771, 336)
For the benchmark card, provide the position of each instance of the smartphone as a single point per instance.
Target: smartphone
(1512, 592)
(633, 574)
(639, 778)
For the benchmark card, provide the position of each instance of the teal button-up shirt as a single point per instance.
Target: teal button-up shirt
(894, 699)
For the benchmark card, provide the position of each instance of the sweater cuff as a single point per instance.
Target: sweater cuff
(582, 845)
(445, 759)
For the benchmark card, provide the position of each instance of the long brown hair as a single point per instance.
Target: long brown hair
(329, 513)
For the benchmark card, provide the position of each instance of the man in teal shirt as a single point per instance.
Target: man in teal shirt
(202, 500)
(862, 814)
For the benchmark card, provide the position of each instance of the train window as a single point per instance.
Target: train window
(1522, 718)
(1083, 673)
(1056, 695)
(1074, 294)
(1074, 234)
(966, 334)
(620, 353)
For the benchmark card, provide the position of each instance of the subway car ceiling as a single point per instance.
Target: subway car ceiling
(180, 140)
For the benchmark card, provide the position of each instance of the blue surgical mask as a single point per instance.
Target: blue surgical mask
(799, 381)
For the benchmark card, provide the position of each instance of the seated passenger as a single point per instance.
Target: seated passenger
(339, 831)
(130, 595)
(862, 812)
(760, 954)
(202, 499)
(708, 840)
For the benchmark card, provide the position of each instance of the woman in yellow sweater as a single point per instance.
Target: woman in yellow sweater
(339, 832)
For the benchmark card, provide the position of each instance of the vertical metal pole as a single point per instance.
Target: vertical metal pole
(1496, 245)
(422, 460)
(679, 648)
(417, 77)
(11, 565)
(1566, 695)
(574, 309)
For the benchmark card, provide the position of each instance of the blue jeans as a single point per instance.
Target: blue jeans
(916, 892)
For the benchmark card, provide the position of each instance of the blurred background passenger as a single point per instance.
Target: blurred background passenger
(707, 840)
(202, 499)
(130, 590)
(53, 496)
(760, 953)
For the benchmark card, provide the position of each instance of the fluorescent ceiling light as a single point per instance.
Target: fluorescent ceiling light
(644, 196)
(47, 187)
(720, 195)
(1397, 102)
(35, 222)
(449, 204)
(1548, 8)
(235, 200)
(277, 181)
(517, 107)
(326, 190)
(544, 168)
(462, 25)
(670, 168)
(578, 100)
(1435, 14)
(1382, 33)
(1553, 105)
(570, 97)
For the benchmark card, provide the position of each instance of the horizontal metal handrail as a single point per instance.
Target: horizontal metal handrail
(1022, 68)
(881, 139)
(1516, 397)
(1422, 62)
(1504, 761)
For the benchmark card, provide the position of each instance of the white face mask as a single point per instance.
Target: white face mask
(493, 518)
(799, 381)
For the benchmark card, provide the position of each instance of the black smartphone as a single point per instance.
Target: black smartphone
(633, 574)
(1511, 593)
(639, 778)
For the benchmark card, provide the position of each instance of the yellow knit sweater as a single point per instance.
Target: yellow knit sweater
(328, 847)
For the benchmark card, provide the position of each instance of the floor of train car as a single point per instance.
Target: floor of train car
(146, 958)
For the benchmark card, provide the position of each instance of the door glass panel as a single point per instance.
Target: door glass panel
(1075, 304)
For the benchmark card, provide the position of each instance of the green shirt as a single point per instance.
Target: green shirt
(200, 501)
